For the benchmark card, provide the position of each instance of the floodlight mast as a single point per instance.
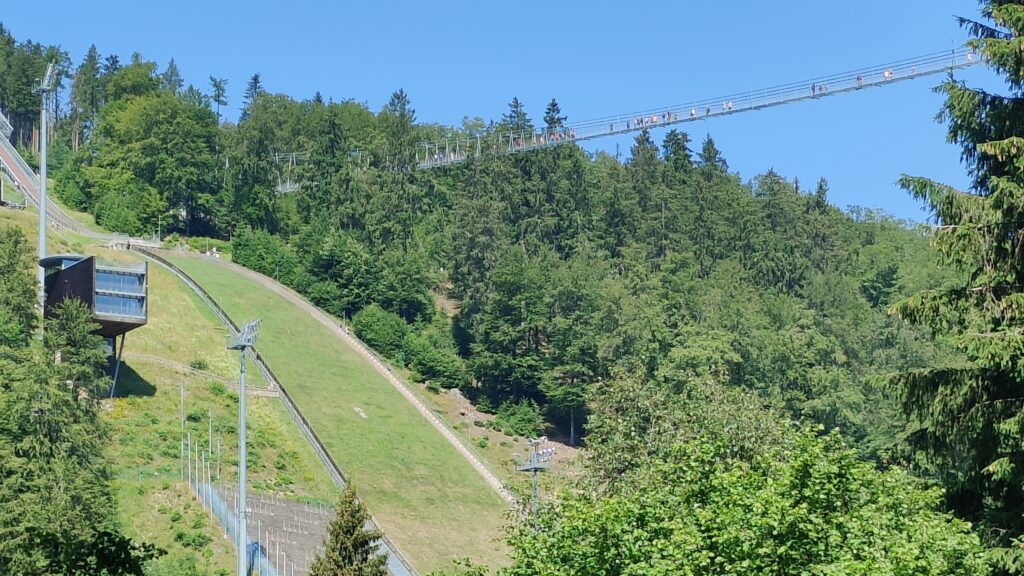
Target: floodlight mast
(539, 461)
(245, 341)
(44, 89)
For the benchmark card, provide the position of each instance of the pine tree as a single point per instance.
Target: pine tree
(85, 95)
(398, 121)
(351, 549)
(516, 118)
(220, 91)
(552, 116)
(252, 91)
(968, 414)
(171, 79)
(677, 153)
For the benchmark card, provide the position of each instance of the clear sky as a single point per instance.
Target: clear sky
(598, 58)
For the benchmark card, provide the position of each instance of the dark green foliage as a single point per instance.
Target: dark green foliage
(556, 270)
(808, 508)
(519, 418)
(516, 119)
(56, 508)
(267, 254)
(966, 413)
(431, 353)
(17, 289)
(351, 549)
(384, 331)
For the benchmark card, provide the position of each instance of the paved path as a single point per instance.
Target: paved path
(343, 334)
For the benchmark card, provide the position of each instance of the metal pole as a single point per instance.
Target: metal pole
(42, 193)
(535, 498)
(190, 459)
(242, 548)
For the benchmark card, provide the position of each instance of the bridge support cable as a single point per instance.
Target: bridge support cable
(455, 150)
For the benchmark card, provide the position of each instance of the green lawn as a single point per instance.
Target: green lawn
(430, 501)
(155, 506)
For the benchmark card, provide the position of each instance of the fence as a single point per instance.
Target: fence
(398, 564)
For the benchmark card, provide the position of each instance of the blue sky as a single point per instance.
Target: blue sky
(597, 58)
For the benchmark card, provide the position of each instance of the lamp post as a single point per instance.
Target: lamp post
(539, 461)
(44, 89)
(245, 341)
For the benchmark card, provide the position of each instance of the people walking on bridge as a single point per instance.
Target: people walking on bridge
(860, 81)
(814, 89)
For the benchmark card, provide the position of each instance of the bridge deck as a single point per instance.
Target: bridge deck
(453, 151)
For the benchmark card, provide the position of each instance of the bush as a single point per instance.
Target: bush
(194, 540)
(384, 331)
(482, 442)
(195, 415)
(265, 253)
(202, 244)
(199, 364)
(441, 365)
(520, 418)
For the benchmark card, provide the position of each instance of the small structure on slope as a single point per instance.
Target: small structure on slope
(117, 295)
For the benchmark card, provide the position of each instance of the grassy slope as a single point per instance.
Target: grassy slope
(430, 500)
(146, 427)
(152, 502)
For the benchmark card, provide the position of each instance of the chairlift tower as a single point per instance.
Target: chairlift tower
(246, 341)
(287, 163)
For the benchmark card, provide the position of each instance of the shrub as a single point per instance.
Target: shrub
(199, 364)
(482, 442)
(439, 364)
(520, 418)
(202, 244)
(384, 331)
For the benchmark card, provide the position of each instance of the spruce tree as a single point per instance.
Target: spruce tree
(516, 118)
(967, 415)
(252, 90)
(219, 95)
(552, 115)
(351, 549)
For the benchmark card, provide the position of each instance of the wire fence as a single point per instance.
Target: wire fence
(398, 564)
(288, 535)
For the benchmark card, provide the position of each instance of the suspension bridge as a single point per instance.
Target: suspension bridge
(459, 149)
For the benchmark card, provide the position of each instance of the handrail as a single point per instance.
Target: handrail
(311, 436)
(462, 148)
(391, 372)
(385, 369)
(30, 189)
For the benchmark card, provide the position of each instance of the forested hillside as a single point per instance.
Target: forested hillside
(764, 383)
(523, 280)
